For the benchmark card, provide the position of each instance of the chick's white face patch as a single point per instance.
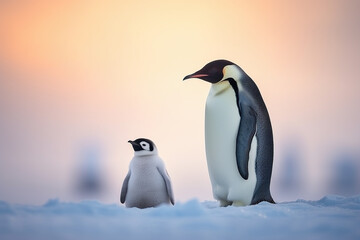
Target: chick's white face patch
(145, 145)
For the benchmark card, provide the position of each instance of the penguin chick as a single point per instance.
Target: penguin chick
(147, 183)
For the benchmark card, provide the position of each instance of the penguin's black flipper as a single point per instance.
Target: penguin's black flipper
(125, 188)
(244, 138)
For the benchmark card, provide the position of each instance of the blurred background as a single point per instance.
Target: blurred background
(78, 79)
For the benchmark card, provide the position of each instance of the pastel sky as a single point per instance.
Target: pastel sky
(78, 75)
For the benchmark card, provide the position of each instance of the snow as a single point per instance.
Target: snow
(332, 217)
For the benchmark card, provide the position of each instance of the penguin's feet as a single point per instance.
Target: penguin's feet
(238, 204)
(224, 203)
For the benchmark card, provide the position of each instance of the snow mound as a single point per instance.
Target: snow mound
(332, 217)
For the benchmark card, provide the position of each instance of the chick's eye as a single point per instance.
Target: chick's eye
(145, 145)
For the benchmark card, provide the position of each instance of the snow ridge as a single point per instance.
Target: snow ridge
(332, 217)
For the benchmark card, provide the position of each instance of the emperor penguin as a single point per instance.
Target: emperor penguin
(238, 136)
(147, 183)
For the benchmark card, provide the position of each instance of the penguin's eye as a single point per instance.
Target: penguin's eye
(145, 146)
(213, 71)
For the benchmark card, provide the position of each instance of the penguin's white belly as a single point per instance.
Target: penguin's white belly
(146, 187)
(221, 128)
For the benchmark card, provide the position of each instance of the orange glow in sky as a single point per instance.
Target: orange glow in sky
(73, 72)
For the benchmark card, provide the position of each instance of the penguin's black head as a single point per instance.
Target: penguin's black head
(143, 144)
(213, 72)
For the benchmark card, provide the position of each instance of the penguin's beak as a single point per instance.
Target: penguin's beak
(196, 75)
(135, 145)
